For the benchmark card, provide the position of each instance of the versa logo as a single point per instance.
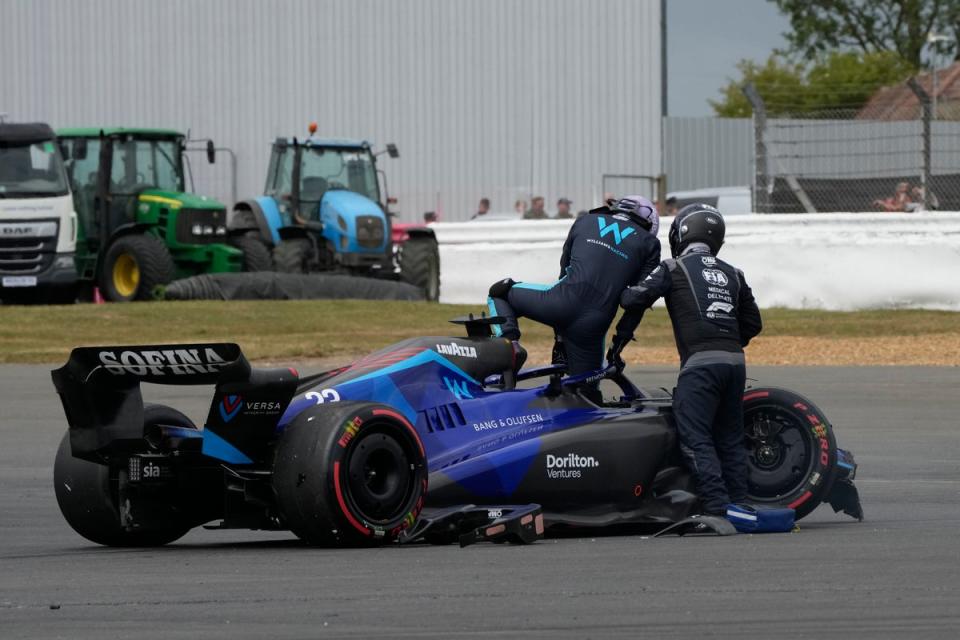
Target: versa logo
(613, 228)
(458, 388)
(230, 406)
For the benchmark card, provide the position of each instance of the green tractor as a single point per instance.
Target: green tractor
(138, 229)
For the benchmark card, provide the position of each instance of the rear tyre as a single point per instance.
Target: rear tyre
(791, 450)
(293, 256)
(256, 255)
(353, 474)
(419, 262)
(134, 267)
(87, 493)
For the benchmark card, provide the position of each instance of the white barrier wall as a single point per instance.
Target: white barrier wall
(839, 261)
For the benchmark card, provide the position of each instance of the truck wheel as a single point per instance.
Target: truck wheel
(256, 255)
(87, 493)
(292, 256)
(134, 267)
(350, 474)
(792, 453)
(420, 265)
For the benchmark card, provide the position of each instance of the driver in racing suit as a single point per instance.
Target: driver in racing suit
(605, 251)
(714, 316)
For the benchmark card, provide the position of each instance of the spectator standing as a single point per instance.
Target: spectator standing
(520, 206)
(536, 210)
(563, 209)
(671, 206)
(483, 208)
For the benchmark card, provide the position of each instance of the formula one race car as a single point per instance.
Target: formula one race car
(345, 457)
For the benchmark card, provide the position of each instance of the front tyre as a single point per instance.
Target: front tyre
(351, 474)
(791, 450)
(87, 493)
(419, 262)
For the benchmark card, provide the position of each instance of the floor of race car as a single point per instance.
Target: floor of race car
(892, 576)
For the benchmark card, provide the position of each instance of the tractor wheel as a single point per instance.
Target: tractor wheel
(134, 267)
(292, 256)
(256, 255)
(420, 265)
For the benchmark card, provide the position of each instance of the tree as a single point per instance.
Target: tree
(871, 26)
(838, 81)
(847, 80)
(775, 77)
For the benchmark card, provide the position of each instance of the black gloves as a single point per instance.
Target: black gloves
(559, 355)
(613, 353)
(501, 288)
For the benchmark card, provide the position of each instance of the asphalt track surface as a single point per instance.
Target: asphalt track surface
(895, 575)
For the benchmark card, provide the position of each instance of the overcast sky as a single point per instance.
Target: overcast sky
(706, 39)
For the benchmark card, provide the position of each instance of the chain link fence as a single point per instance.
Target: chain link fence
(888, 155)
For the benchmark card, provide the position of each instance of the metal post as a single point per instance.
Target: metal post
(926, 114)
(761, 178)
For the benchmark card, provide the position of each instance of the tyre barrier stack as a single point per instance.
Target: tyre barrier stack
(288, 286)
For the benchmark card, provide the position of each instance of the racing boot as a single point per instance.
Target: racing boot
(519, 358)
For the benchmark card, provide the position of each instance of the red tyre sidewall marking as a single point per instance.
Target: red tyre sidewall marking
(412, 515)
(799, 501)
(404, 422)
(755, 395)
(343, 505)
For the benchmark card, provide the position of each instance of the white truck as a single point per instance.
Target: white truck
(38, 224)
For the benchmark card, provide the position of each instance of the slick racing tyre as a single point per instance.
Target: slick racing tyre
(256, 255)
(133, 268)
(791, 450)
(87, 493)
(419, 262)
(293, 256)
(349, 474)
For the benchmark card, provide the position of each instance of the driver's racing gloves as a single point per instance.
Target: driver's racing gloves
(620, 341)
(559, 354)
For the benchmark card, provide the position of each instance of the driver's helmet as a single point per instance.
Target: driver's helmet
(640, 209)
(697, 222)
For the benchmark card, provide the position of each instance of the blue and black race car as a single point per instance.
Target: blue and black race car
(433, 438)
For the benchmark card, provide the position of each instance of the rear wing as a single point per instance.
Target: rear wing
(100, 391)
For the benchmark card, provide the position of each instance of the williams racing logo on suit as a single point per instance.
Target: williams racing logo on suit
(614, 229)
(615, 233)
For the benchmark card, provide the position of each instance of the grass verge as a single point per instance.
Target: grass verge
(339, 330)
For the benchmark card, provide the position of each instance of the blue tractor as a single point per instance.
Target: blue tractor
(323, 211)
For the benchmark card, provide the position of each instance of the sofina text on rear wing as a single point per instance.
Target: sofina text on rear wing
(100, 391)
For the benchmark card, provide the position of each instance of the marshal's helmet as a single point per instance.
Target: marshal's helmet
(697, 223)
(640, 209)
